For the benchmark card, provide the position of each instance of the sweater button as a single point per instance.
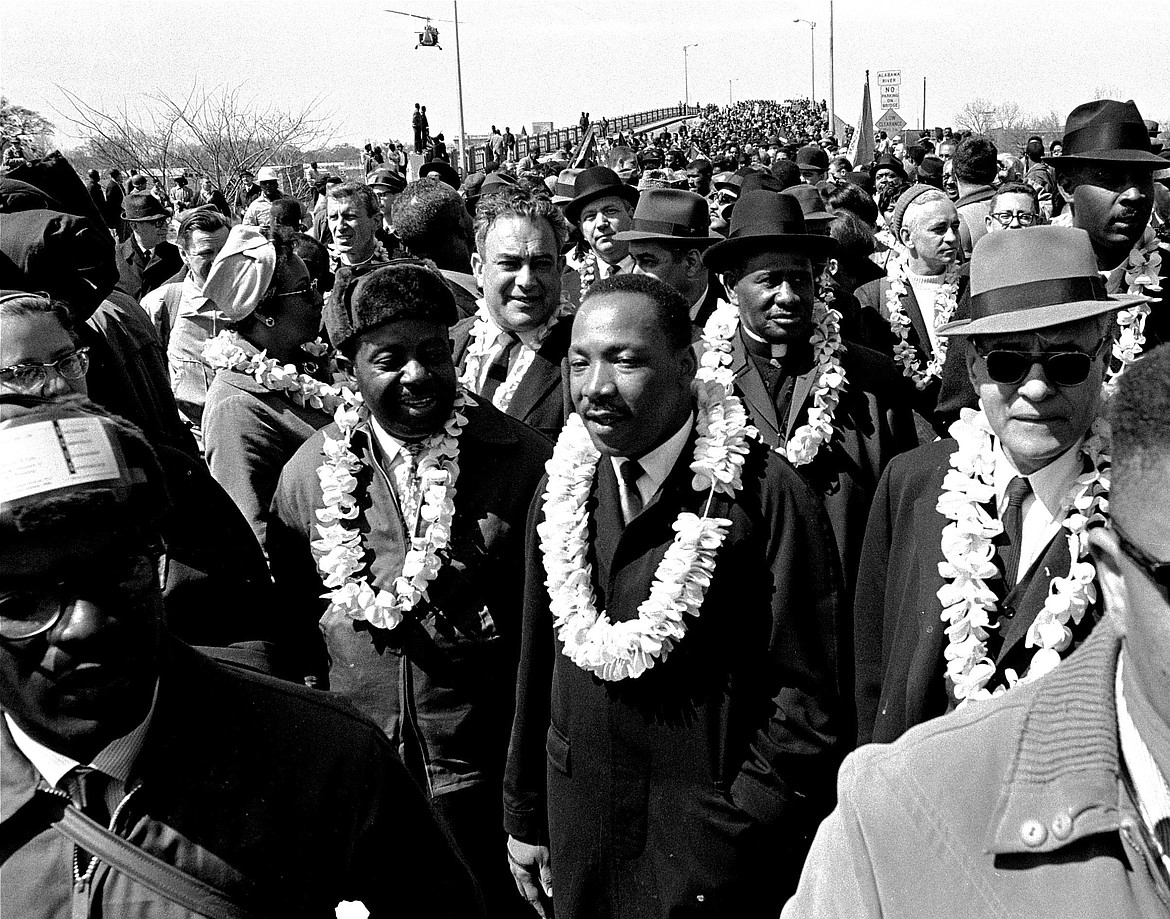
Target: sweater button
(1032, 833)
(1062, 825)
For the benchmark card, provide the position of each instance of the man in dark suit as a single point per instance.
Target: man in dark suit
(423, 633)
(787, 359)
(671, 230)
(146, 260)
(640, 784)
(510, 351)
(112, 211)
(927, 287)
(280, 800)
(968, 535)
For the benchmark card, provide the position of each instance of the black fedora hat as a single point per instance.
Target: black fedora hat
(671, 214)
(1106, 130)
(444, 172)
(886, 161)
(812, 205)
(767, 221)
(1035, 279)
(143, 207)
(597, 182)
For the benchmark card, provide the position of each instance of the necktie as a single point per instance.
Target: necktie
(497, 371)
(1013, 525)
(409, 485)
(614, 269)
(631, 471)
(87, 788)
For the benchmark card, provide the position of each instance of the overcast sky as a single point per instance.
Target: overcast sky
(547, 61)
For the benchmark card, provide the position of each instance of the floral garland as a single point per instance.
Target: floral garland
(338, 549)
(969, 605)
(806, 440)
(1140, 273)
(228, 351)
(380, 255)
(945, 304)
(625, 650)
(483, 337)
(587, 271)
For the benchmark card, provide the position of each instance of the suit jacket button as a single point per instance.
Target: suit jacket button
(1032, 832)
(1062, 825)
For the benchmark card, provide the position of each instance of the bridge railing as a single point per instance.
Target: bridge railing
(540, 144)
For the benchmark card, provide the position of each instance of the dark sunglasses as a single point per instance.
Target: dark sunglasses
(1158, 572)
(1064, 368)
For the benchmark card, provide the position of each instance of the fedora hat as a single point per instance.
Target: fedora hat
(1106, 130)
(1035, 279)
(496, 182)
(886, 161)
(562, 190)
(386, 178)
(671, 214)
(767, 221)
(812, 158)
(594, 183)
(143, 207)
(444, 172)
(812, 205)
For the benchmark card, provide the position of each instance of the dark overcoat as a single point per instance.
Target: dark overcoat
(541, 399)
(899, 633)
(137, 275)
(693, 789)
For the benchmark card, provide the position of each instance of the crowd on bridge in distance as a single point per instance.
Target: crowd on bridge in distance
(694, 522)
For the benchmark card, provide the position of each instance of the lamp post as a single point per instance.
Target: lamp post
(459, 80)
(832, 79)
(812, 28)
(686, 79)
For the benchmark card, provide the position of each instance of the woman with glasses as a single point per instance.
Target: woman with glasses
(40, 354)
(270, 393)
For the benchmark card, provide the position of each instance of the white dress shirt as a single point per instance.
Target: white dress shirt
(1043, 510)
(656, 465)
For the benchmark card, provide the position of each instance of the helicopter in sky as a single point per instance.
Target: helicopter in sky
(428, 37)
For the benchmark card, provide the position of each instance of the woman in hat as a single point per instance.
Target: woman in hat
(268, 396)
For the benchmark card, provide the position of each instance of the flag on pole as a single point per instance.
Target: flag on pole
(861, 146)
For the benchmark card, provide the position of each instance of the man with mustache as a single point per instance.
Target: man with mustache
(968, 564)
(120, 743)
(664, 761)
(408, 512)
(602, 206)
(1105, 175)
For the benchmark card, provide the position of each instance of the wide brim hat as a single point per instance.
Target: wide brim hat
(143, 208)
(386, 178)
(594, 183)
(812, 158)
(267, 174)
(812, 205)
(767, 221)
(671, 215)
(562, 185)
(1035, 278)
(888, 162)
(444, 172)
(1106, 130)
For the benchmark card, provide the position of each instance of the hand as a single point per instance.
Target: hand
(532, 871)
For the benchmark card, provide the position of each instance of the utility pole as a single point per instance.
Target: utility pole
(686, 78)
(459, 80)
(812, 44)
(832, 78)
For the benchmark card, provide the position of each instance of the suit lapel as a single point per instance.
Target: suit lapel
(800, 395)
(543, 374)
(914, 311)
(1027, 597)
(751, 385)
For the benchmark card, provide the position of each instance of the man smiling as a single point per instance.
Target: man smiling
(602, 207)
(421, 629)
(969, 531)
(354, 215)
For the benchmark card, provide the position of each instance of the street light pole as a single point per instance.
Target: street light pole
(812, 28)
(459, 80)
(832, 78)
(686, 78)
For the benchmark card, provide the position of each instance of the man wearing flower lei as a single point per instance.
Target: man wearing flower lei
(834, 409)
(354, 214)
(975, 558)
(602, 206)
(510, 351)
(406, 516)
(920, 294)
(269, 394)
(679, 697)
(1106, 178)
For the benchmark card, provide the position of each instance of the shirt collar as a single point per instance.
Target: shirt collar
(627, 266)
(1050, 484)
(777, 351)
(531, 339)
(658, 463)
(698, 304)
(390, 445)
(116, 759)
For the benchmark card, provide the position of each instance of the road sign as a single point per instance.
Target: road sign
(891, 97)
(889, 78)
(890, 121)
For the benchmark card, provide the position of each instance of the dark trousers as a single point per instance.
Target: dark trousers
(475, 817)
(418, 140)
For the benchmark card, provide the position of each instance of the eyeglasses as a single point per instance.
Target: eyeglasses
(31, 377)
(1158, 572)
(1064, 368)
(25, 614)
(1005, 218)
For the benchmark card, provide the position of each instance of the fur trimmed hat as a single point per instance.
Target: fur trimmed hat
(403, 289)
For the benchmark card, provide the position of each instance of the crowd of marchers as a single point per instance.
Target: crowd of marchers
(719, 527)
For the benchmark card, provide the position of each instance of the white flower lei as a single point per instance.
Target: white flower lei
(626, 650)
(228, 351)
(484, 334)
(380, 255)
(806, 440)
(969, 605)
(945, 304)
(338, 549)
(587, 271)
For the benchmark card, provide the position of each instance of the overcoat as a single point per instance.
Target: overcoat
(137, 275)
(693, 789)
(899, 633)
(541, 399)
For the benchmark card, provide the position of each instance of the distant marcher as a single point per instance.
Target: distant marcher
(146, 260)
